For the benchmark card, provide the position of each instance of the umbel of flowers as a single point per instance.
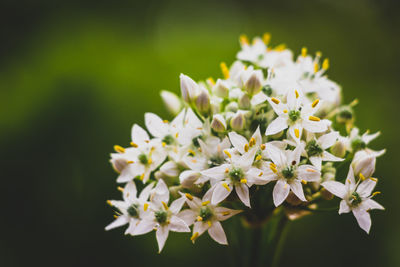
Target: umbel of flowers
(272, 130)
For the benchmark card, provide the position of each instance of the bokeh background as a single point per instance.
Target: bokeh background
(75, 76)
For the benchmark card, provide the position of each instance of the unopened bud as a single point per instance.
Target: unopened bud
(238, 121)
(339, 148)
(221, 89)
(188, 177)
(170, 168)
(232, 107)
(188, 88)
(244, 102)
(345, 114)
(364, 163)
(172, 102)
(203, 100)
(253, 84)
(218, 123)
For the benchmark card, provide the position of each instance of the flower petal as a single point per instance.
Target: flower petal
(161, 235)
(220, 192)
(308, 173)
(217, 233)
(177, 224)
(121, 220)
(188, 216)
(243, 193)
(238, 141)
(316, 161)
(344, 207)
(177, 204)
(217, 173)
(130, 192)
(365, 187)
(371, 204)
(156, 126)
(281, 191)
(222, 213)
(363, 219)
(326, 156)
(139, 135)
(144, 195)
(336, 188)
(328, 140)
(277, 125)
(297, 189)
(143, 227)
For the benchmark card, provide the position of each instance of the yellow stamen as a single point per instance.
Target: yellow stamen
(191, 152)
(376, 193)
(313, 118)
(262, 146)
(147, 141)
(243, 181)
(165, 121)
(374, 179)
(285, 111)
(211, 81)
(285, 186)
(194, 160)
(121, 189)
(130, 162)
(297, 93)
(246, 147)
(225, 70)
(259, 157)
(252, 141)
(189, 196)
(227, 153)
(315, 103)
(226, 170)
(349, 181)
(205, 203)
(304, 52)
(325, 64)
(141, 177)
(119, 149)
(280, 47)
(266, 38)
(165, 205)
(199, 218)
(176, 135)
(316, 67)
(260, 174)
(273, 169)
(109, 202)
(311, 170)
(243, 39)
(297, 133)
(194, 236)
(303, 181)
(134, 144)
(362, 177)
(276, 101)
(226, 187)
(272, 165)
(149, 161)
(115, 216)
(209, 223)
(163, 144)
(226, 213)
(145, 206)
(318, 54)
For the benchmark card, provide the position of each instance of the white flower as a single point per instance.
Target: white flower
(132, 208)
(189, 88)
(171, 101)
(295, 114)
(357, 142)
(162, 218)
(315, 148)
(364, 162)
(206, 217)
(285, 169)
(356, 197)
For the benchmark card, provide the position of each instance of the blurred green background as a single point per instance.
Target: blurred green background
(75, 76)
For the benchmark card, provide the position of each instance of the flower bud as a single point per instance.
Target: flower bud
(172, 102)
(188, 88)
(215, 104)
(364, 163)
(232, 107)
(188, 177)
(170, 168)
(218, 123)
(221, 89)
(339, 148)
(253, 84)
(238, 121)
(203, 100)
(345, 115)
(244, 101)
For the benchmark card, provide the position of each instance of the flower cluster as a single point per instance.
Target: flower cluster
(273, 126)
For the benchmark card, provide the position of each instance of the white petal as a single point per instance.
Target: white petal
(336, 188)
(277, 125)
(200, 227)
(365, 187)
(238, 141)
(162, 235)
(139, 135)
(222, 213)
(170, 168)
(246, 160)
(350, 181)
(315, 126)
(363, 219)
(369, 137)
(177, 204)
(275, 154)
(187, 178)
(156, 126)
(293, 157)
(344, 207)
(297, 189)
(308, 173)
(178, 225)
(161, 192)
(281, 191)
(257, 136)
(292, 131)
(143, 227)
(121, 220)
(243, 193)
(220, 193)
(326, 156)
(130, 192)
(328, 140)
(217, 233)
(144, 195)
(258, 99)
(372, 204)
(132, 226)
(216, 172)
(316, 161)
(188, 216)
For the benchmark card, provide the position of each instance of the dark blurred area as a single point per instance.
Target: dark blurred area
(75, 76)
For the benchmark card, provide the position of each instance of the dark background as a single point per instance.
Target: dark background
(75, 75)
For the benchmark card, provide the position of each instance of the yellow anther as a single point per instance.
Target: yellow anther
(285, 186)
(285, 111)
(130, 162)
(313, 118)
(225, 70)
(227, 153)
(266, 38)
(316, 67)
(226, 187)
(259, 157)
(362, 177)
(199, 218)
(134, 144)
(260, 174)
(145, 206)
(115, 216)
(304, 52)
(209, 223)
(226, 170)
(349, 181)
(246, 147)
(280, 47)
(189, 196)
(303, 181)
(226, 213)
(164, 205)
(243, 39)
(211, 81)
(373, 179)
(272, 165)
(176, 135)
(318, 54)
(194, 236)
(276, 101)
(163, 144)
(315, 103)
(311, 170)
(109, 202)
(376, 193)
(297, 133)
(149, 161)
(205, 203)
(147, 141)
(252, 141)
(273, 169)
(119, 149)
(194, 160)
(191, 152)
(262, 146)
(121, 189)
(165, 121)
(325, 64)
(297, 93)
(243, 181)
(141, 177)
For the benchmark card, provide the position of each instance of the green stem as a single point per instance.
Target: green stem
(282, 233)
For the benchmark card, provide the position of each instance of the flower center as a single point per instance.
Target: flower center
(168, 139)
(294, 115)
(143, 159)
(355, 199)
(236, 174)
(313, 149)
(288, 172)
(205, 213)
(358, 144)
(133, 210)
(161, 216)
